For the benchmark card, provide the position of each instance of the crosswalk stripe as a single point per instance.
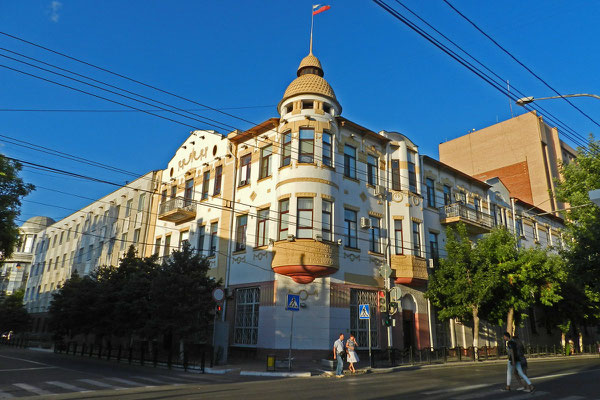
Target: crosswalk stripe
(126, 382)
(4, 395)
(157, 381)
(100, 384)
(68, 386)
(187, 380)
(527, 395)
(572, 398)
(31, 388)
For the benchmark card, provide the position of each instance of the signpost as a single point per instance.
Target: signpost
(292, 304)
(364, 312)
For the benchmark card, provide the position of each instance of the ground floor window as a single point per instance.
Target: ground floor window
(247, 301)
(360, 326)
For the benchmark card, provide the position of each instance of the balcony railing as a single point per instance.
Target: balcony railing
(177, 209)
(458, 212)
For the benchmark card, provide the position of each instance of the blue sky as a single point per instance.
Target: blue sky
(241, 55)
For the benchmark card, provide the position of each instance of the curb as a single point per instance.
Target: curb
(277, 374)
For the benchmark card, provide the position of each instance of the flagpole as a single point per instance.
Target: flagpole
(312, 22)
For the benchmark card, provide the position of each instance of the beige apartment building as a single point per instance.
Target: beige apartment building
(524, 152)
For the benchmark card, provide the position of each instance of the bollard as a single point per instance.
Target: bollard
(459, 352)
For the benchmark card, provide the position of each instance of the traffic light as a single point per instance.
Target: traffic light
(382, 301)
(387, 320)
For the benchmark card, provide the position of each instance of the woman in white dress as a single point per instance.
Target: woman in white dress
(351, 345)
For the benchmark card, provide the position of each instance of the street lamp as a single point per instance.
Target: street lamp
(526, 100)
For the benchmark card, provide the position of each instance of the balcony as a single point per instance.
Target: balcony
(409, 270)
(177, 209)
(476, 221)
(305, 260)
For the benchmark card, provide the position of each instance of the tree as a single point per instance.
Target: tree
(13, 315)
(581, 305)
(466, 279)
(12, 189)
(181, 296)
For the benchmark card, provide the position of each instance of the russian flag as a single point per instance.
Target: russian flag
(319, 9)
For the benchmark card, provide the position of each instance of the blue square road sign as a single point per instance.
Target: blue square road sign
(293, 302)
(363, 311)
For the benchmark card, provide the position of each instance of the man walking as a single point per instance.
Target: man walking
(338, 353)
(514, 362)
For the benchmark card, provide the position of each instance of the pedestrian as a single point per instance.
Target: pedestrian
(352, 358)
(514, 362)
(521, 355)
(338, 353)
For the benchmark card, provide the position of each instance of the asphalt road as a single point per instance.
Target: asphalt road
(29, 374)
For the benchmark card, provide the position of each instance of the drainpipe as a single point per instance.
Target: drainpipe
(514, 213)
(230, 242)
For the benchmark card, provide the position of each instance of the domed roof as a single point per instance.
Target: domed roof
(309, 83)
(310, 61)
(36, 224)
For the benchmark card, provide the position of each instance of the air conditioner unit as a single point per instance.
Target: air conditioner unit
(379, 190)
(365, 222)
(431, 263)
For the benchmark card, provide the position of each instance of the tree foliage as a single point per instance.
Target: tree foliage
(12, 189)
(13, 315)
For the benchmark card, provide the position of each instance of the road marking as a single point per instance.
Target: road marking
(572, 398)
(31, 388)
(4, 395)
(126, 382)
(564, 374)
(25, 369)
(459, 389)
(68, 386)
(100, 384)
(157, 381)
(22, 359)
(527, 395)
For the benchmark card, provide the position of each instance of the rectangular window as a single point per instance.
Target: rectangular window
(136, 235)
(218, 177)
(433, 247)
(184, 237)
(447, 195)
(375, 235)
(214, 230)
(417, 238)
(327, 149)
(167, 246)
(519, 225)
(188, 194)
(240, 232)
(326, 221)
(200, 244)
(349, 161)
(141, 201)
(128, 207)
(163, 197)
(247, 302)
(305, 217)
(89, 254)
(284, 218)
(372, 175)
(398, 237)
(462, 197)
(245, 169)
(286, 149)
(157, 246)
(477, 204)
(412, 172)
(430, 192)
(548, 240)
(62, 234)
(123, 241)
(308, 104)
(396, 175)
(350, 228)
(536, 233)
(79, 255)
(262, 228)
(205, 184)
(265, 161)
(307, 146)
(173, 191)
(360, 327)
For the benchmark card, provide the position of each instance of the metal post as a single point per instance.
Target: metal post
(291, 336)
(369, 335)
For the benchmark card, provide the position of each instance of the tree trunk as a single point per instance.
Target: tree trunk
(510, 321)
(475, 332)
(563, 340)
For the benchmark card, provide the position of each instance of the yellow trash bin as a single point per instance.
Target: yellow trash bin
(271, 362)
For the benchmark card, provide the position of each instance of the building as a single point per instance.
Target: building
(15, 271)
(307, 203)
(96, 235)
(523, 151)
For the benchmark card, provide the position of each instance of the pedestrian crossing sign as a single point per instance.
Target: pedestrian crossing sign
(363, 311)
(293, 302)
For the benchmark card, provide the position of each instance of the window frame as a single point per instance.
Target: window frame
(280, 229)
(205, 184)
(262, 221)
(306, 157)
(349, 161)
(351, 228)
(245, 162)
(327, 149)
(214, 234)
(286, 147)
(327, 220)
(417, 247)
(396, 181)
(241, 230)
(372, 170)
(430, 183)
(375, 235)
(398, 240)
(265, 161)
(302, 228)
(218, 178)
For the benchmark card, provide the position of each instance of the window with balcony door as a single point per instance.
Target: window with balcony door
(327, 150)
(372, 175)
(430, 192)
(245, 170)
(214, 231)
(218, 178)
(396, 175)
(375, 235)
(305, 217)
(262, 228)
(240, 232)
(284, 218)
(398, 236)
(157, 246)
(412, 171)
(350, 228)
(188, 195)
(417, 239)
(307, 146)
(200, 244)
(433, 247)
(326, 220)
(447, 195)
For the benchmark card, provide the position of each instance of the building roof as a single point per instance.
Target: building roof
(36, 224)
(265, 126)
(309, 81)
(310, 61)
(456, 172)
(361, 130)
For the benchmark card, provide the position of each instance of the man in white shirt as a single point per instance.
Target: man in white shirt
(338, 353)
